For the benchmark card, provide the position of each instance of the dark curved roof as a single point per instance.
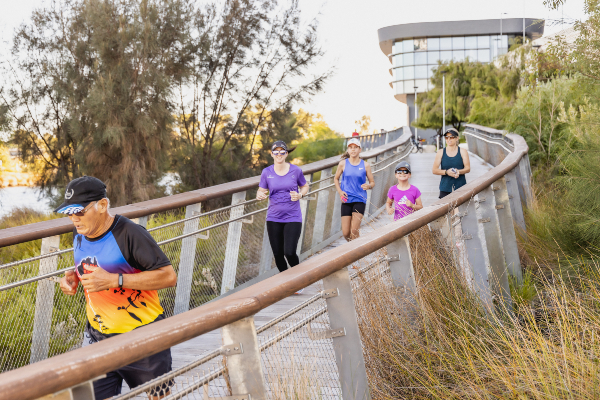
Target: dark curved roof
(534, 28)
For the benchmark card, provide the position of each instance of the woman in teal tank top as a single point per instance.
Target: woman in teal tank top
(452, 163)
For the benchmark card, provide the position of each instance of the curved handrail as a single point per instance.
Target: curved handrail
(72, 368)
(39, 230)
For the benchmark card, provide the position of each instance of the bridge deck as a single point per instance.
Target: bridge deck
(320, 352)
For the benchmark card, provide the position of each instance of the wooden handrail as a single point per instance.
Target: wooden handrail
(40, 230)
(72, 368)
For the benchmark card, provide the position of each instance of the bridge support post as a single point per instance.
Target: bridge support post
(525, 170)
(512, 186)
(304, 211)
(44, 302)
(266, 255)
(142, 221)
(246, 375)
(368, 210)
(401, 265)
(186, 260)
(444, 225)
(498, 277)
(479, 281)
(336, 218)
(507, 230)
(347, 348)
(232, 251)
(321, 215)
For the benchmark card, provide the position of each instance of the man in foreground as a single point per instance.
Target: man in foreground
(120, 267)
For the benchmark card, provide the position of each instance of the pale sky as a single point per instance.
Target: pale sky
(348, 31)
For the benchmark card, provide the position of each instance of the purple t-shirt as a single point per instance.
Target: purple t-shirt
(400, 196)
(281, 206)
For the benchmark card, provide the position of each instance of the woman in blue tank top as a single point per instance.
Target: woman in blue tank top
(353, 188)
(452, 163)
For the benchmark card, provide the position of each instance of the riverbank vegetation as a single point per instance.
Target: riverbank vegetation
(127, 91)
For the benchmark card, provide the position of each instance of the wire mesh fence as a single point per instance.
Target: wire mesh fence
(212, 252)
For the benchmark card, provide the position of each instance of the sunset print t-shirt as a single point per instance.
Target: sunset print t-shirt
(125, 248)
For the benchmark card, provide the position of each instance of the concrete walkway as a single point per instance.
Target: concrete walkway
(320, 352)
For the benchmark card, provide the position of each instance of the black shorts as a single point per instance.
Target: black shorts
(349, 208)
(134, 374)
(444, 194)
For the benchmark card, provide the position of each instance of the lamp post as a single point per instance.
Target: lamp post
(416, 116)
(443, 108)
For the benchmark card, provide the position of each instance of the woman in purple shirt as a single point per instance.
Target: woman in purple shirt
(280, 182)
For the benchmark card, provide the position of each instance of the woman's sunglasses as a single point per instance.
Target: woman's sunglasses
(450, 137)
(402, 171)
(279, 152)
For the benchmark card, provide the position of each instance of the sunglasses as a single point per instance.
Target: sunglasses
(82, 212)
(279, 152)
(403, 171)
(450, 137)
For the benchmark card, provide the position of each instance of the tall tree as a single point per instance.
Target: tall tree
(92, 90)
(252, 55)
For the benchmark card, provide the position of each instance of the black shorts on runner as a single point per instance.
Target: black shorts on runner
(135, 374)
(349, 208)
(444, 194)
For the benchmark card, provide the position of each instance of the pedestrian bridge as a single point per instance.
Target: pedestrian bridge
(236, 328)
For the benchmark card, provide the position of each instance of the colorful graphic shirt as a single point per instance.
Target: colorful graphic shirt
(281, 206)
(399, 198)
(125, 248)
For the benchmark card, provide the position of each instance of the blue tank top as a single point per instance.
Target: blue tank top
(448, 183)
(352, 178)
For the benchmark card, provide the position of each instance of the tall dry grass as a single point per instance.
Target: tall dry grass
(441, 344)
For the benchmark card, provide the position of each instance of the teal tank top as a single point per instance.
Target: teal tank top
(448, 183)
(352, 177)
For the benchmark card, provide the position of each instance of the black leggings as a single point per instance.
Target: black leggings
(284, 237)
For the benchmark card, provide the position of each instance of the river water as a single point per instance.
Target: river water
(22, 196)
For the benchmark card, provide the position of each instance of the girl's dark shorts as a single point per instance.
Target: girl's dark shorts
(349, 208)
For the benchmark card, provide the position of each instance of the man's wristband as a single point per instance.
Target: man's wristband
(120, 281)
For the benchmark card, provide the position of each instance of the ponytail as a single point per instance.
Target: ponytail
(344, 156)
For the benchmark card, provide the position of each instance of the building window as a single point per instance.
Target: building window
(409, 72)
(471, 42)
(421, 72)
(420, 58)
(433, 57)
(483, 42)
(458, 43)
(445, 43)
(408, 59)
(408, 45)
(471, 55)
(483, 55)
(420, 44)
(409, 86)
(398, 72)
(421, 85)
(433, 44)
(445, 56)
(398, 60)
(458, 55)
(431, 70)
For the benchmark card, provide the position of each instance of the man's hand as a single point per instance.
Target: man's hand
(69, 283)
(98, 280)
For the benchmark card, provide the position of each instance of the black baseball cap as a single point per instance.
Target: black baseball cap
(402, 164)
(451, 131)
(279, 143)
(81, 192)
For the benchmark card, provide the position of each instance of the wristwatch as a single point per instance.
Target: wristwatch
(120, 281)
(445, 172)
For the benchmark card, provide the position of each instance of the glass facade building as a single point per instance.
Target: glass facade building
(414, 60)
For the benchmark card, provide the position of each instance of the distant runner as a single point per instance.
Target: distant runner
(403, 198)
(120, 267)
(280, 182)
(452, 163)
(353, 188)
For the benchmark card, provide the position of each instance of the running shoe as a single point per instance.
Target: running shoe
(300, 291)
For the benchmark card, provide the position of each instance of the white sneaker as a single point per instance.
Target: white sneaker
(300, 291)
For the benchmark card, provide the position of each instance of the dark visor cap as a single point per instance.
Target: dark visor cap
(279, 143)
(402, 164)
(451, 131)
(81, 192)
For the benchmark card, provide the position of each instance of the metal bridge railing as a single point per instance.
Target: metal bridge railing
(212, 253)
(322, 333)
